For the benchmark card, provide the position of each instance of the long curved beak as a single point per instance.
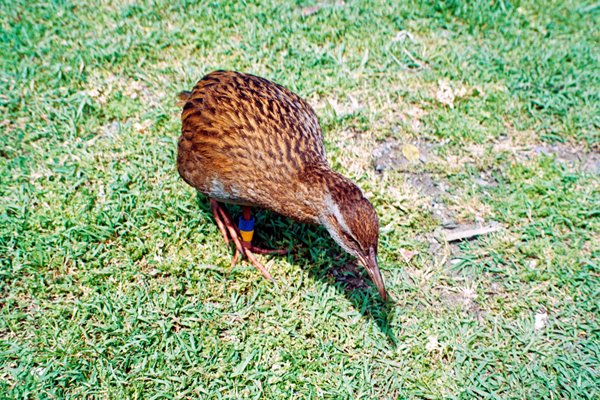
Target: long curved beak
(370, 264)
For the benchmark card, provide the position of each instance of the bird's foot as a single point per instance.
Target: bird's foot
(230, 231)
(258, 250)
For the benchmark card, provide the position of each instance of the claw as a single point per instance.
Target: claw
(258, 265)
(234, 260)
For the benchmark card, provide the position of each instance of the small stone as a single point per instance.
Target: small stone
(541, 319)
(407, 255)
(432, 343)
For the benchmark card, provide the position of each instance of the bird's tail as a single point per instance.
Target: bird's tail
(183, 97)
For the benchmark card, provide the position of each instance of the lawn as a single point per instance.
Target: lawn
(115, 282)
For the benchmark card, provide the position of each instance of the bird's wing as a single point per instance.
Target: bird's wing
(255, 119)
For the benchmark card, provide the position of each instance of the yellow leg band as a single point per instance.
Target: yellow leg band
(247, 236)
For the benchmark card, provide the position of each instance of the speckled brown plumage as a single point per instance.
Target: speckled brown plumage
(248, 141)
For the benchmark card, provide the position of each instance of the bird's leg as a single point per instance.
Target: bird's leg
(229, 230)
(214, 205)
(246, 227)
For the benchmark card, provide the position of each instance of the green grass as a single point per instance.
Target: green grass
(115, 283)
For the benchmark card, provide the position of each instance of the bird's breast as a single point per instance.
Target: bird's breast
(227, 193)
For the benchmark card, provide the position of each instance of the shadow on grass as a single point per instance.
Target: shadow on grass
(315, 251)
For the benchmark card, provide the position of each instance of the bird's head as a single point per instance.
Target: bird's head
(352, 222)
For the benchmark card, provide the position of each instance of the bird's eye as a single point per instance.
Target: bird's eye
(351, 240)
(347, 239)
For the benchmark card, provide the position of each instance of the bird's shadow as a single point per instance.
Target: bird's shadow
(313, 250)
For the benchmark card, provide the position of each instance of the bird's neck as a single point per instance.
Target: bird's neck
(317, 186)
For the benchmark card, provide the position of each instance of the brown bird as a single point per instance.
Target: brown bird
(248, 141)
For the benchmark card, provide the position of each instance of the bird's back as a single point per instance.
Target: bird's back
(246, 139)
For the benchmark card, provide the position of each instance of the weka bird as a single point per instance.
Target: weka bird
(248, 141)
